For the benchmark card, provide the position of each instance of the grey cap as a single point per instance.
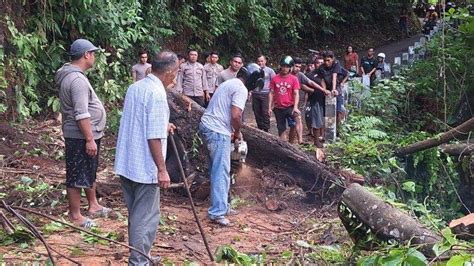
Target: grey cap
(81, 46)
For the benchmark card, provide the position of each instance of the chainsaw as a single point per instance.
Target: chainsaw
(239, 153)
(237, 157)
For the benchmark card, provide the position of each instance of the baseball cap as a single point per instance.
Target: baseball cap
(81, 46)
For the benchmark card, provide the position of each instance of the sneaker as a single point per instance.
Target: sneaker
(222, 221)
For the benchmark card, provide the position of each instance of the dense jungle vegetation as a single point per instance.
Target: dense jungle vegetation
(37, 34)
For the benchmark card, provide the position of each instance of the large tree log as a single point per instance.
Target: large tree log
(458, 149)
(461, 131)
(265, 151)
(384, 220)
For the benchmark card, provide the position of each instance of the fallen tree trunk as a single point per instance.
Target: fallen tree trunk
(461, 131)
(383, 220)
(266, 151)
(458, 149)
(463, 227)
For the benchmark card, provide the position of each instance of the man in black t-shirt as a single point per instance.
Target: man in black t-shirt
(334, 76)
(308, 87)
(315, 115)
(368, 64)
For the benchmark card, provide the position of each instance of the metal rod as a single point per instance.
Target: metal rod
(185, 182)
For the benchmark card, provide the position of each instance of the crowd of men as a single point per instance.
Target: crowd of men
(145, 126)
(296, 86)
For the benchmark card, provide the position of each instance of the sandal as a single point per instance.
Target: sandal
(88, 224)
(102, 213)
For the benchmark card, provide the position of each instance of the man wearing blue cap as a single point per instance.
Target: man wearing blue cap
(83, 123)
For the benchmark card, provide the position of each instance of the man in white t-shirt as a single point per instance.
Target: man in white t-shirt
(220, 125)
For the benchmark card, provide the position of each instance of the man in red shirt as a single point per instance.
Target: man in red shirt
(284, 97)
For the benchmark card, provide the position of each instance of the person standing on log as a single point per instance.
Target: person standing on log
(141, 152)
(83, 127)
(235, 64)
(260, 97)
(284, 98)
(191, 80)
(212, 70)
(219, 127)
(142, 68)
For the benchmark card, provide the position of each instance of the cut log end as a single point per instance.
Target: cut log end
(384, 220)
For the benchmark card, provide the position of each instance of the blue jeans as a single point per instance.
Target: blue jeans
(219, 147)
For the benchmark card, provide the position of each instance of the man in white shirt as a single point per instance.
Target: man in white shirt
(219, 127)
(141, 152)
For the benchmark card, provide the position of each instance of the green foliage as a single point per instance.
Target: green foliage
(20, 236)
(41, 31)
(91, 239)
(456, 55)
(363, 147)
(400, 256)
(231, 255)
(52, 227)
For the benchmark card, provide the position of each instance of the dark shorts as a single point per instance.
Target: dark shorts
(282, 116)
(81, 169)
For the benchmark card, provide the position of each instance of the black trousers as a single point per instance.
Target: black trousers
(260, 109)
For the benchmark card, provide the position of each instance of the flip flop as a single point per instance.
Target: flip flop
(88, 224)
(103, 213)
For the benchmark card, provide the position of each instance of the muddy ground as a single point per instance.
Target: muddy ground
(32, 176)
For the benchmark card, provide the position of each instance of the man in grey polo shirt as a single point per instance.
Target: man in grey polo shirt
(83, 126)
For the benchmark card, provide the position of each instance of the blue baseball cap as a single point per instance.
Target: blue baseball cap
(81, 46)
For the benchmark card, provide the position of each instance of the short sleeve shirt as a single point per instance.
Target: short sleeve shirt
(218, 114)
(283, 90)
(140, 70)
(212, 71)
(302, 79)
(326, 74)
(145, 116)
(368, 63)
(225, 75)
(317, 95)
